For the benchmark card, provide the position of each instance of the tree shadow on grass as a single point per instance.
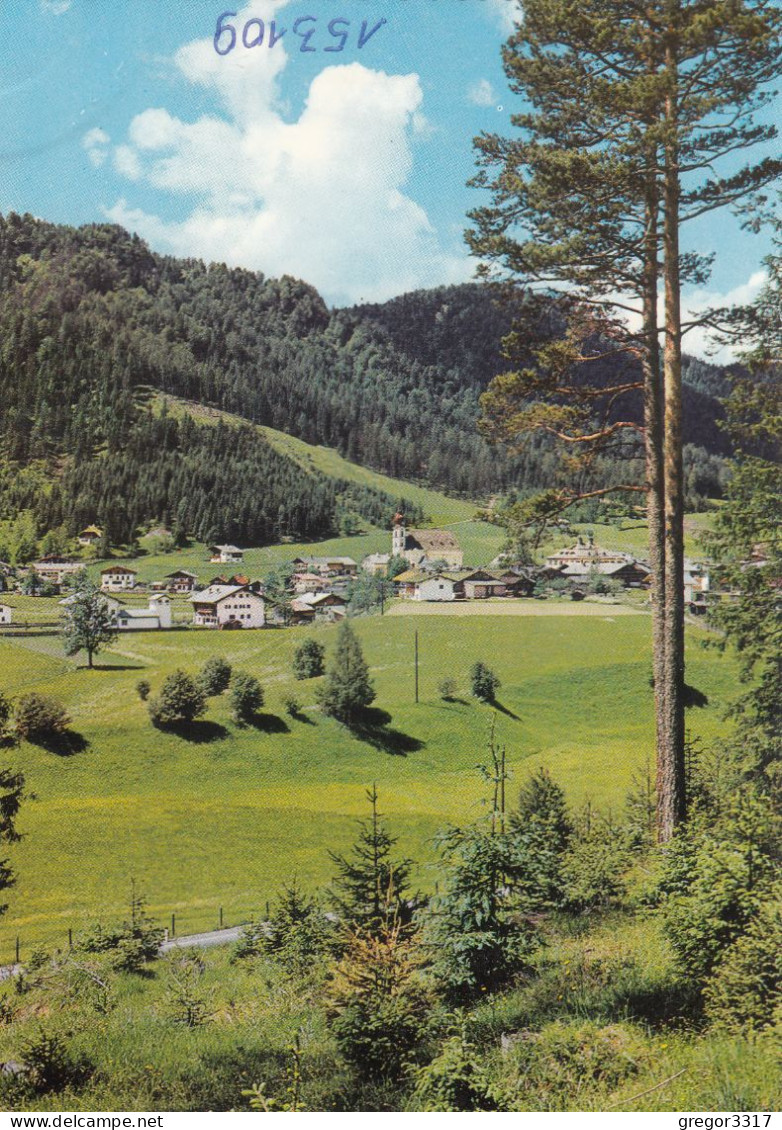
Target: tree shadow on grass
(62, 745)
(694, 697)
(371, 726)
(300, 716)
(270, 724)
(503, 709)
(112, 667)
(454, 699)
(199, 732)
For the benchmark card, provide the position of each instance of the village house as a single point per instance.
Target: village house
(425, 547)
(226, 554)
(696, 585)
(55, 568)
(6, 614)
(323, 606)
(585, 553)
(376, 564)
(90, 536)
(309, 582)
(326, 566)
(110, 601)
(228, 606)
(117, 578)
(181, 580)
(156, 616)
(437, 587)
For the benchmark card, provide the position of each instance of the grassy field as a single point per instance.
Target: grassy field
(221, 816)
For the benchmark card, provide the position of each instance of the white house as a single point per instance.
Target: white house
(157, 615)
(110, 601)
(228, 606)
(117, 578)
(437, 587)
(226, 554)
(5, 614)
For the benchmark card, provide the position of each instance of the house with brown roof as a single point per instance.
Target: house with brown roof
(91, 535)
(117, 578)
(425, 547)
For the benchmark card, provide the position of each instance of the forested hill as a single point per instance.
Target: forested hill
(91, 321)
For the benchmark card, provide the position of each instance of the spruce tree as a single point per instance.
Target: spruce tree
(371, 887)
(347, 688)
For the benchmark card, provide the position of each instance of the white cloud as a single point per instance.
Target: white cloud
(506, 13)
(96, 142)
(699, 340)
(322, 197)
(56, 7)
(481, 93)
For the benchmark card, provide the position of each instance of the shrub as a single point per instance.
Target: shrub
(456, 1080)
(292, 705)
(726, 880)
(447, 688)
(308, 659)
(215, 675)
(484, 684)
(593, 867)
(6, 730)
(745, 989)
(181, 699)
(50, 1065)
(246, 697)
(129, 946)
(560, 1060)
(39, 717)
(186, 1000)
(142, 689)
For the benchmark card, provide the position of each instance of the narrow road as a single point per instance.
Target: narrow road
(187, 941)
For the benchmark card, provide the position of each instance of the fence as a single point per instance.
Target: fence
(179, 922)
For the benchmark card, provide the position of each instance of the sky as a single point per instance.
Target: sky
(347, 168)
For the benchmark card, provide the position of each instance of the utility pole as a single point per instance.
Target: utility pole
(416, 666)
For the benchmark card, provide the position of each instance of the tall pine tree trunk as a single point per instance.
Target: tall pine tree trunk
(653, 440)
(670, 776)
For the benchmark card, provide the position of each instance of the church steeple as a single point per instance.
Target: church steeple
(398, 535)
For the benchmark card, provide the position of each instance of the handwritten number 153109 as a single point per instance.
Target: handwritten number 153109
(256, 33)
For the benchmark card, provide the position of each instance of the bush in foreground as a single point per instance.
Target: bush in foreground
(39, 717)
(181, 699)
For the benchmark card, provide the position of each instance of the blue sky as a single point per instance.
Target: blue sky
(348, 169)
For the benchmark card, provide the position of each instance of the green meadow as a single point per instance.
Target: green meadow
(220, 816)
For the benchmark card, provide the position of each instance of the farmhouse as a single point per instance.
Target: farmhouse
(110, 602)
(157, 615)
(117, 578)
(6, 613)
(425, 547)
(323, 605)
(55, 568)
(181, 580)
(326, 566)
(90, 536)
(481, 584)
(309, 582)
(226, 554)
(228, 606)
(587, 554)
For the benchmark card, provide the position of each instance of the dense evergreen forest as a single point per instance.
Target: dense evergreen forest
(92, 323)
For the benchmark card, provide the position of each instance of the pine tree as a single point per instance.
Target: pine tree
(632, 105)
(370, 890)
(347, 687)
(89, 621)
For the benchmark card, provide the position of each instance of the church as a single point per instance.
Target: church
(425, 547)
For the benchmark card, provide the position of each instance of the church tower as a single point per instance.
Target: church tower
(398, 536)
